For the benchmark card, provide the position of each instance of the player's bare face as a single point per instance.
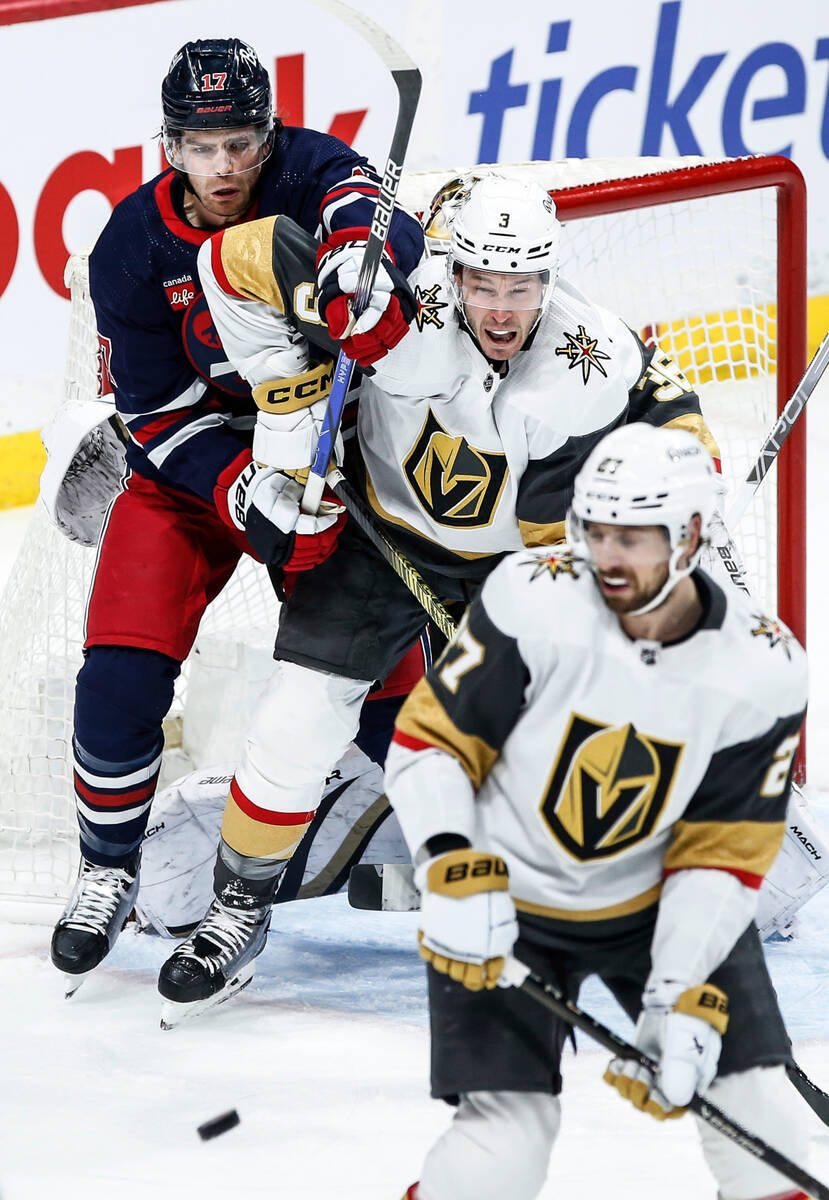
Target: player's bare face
(223, 168)
(630, 563)
(501, 310)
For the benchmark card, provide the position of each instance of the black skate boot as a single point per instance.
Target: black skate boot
(217, 960)
(95, 914)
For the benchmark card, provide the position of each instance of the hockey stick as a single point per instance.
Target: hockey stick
(412, 578)
(407, 78)
(779, 432)
(547, 994)
(817, 1099)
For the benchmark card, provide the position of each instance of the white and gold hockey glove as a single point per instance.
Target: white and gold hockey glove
(682, 1033)
(468, 923)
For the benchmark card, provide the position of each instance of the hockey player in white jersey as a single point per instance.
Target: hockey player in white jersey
(595, 775)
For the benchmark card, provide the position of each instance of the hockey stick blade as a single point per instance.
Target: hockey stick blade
(815, 1097)
(778, 434)
(547, 994)
(408, 82)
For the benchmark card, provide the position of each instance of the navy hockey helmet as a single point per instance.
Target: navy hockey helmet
(218, 83)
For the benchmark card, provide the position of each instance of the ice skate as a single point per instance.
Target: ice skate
(95, 914)
(217, 960)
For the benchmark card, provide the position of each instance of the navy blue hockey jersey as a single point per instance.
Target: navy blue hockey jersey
(188, 414)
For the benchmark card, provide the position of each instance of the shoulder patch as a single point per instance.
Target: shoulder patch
(553, 563)
(428, 307)
(774, 631)
(582, 351)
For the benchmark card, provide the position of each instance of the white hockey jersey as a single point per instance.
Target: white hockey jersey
(594, 763)
(464, 461)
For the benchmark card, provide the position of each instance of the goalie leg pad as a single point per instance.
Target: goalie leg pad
(302, 726)
(498, 1145)
(763, 1100)
(798, 873)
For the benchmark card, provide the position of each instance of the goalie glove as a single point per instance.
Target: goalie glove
(468, 923)
(391, 306)
(682, 1032)
(265, 505)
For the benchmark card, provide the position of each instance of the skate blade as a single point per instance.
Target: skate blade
(71, 983)
(173, 1013)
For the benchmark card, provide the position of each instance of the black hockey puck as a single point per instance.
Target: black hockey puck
(218, 1125)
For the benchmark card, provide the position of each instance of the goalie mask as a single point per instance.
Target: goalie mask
(218, 109)
(643, 475)
(504, 247)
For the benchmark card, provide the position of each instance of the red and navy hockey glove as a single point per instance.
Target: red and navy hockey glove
(391, 306)
(265, 504)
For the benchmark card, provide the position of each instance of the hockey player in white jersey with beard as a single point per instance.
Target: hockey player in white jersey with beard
(595, 775)
(470, 432)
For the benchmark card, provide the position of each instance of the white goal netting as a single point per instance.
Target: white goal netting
(698, 276)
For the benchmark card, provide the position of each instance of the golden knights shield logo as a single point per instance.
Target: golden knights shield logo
(608, 787)
(454, 483)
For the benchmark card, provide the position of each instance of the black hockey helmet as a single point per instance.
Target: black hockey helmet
(218, 83)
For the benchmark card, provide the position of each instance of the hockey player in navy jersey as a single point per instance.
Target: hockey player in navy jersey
(595, 773)
(171, 541)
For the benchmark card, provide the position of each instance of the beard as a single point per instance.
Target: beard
(632, 602)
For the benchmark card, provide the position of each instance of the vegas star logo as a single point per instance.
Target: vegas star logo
(428, 307)
(581, 349)
(553, 564)
(777, 634)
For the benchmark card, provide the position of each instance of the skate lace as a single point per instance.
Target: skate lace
(229, 930)
(99, 898)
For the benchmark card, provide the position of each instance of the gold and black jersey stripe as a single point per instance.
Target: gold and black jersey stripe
(470, 700)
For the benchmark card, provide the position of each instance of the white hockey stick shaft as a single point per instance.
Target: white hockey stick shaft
(778, 434)
(408, 82)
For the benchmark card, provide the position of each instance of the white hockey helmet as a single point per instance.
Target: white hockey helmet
(644, 475)
(507, 227)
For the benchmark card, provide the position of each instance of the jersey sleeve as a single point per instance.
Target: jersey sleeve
(663, 396)
(252, 306)
(172, 415)
(346, 187)
(449, 732)
(452, 708)
(735, 820)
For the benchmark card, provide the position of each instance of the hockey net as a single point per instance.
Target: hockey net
(706, 259)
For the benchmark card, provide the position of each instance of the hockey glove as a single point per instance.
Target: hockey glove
(468, 920)
(682, 1033)
(265, 505)
(391, 305)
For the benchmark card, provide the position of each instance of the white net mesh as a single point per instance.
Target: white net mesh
(698, 276)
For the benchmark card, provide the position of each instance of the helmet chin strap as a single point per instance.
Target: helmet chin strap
(675, 573)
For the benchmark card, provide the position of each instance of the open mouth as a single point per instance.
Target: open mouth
(501, 337)
(613, 583)
(226, 193)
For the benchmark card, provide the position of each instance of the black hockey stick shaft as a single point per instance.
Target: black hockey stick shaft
(406, 570)
(815, 1097)
(408, 82)
(778, 434)
(552, 998)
